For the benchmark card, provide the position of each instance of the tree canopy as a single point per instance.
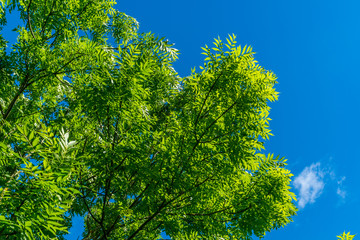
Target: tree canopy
(95, 121)
(345, 236)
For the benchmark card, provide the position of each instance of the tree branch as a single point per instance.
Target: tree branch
(206, 97)
(48, 16)
(29, 20)
(2, 111)
(162, 205)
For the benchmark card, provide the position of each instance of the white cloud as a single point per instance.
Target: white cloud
(341, 180)
(311, 181)
(340, 191)
(310, 184)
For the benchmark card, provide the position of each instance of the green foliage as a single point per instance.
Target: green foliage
(115, 135)
(345, 236)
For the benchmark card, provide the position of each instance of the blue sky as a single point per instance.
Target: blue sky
(313, 47)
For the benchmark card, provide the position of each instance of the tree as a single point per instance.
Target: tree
(96, 122)
(345, 236)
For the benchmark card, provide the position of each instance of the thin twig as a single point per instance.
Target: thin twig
(29, 20)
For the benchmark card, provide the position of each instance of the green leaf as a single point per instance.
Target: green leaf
(120, 138)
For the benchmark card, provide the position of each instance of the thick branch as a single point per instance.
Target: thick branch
(13, 101)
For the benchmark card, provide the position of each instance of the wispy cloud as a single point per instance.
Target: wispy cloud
(340, 190)
(310, 184)
(311, 181)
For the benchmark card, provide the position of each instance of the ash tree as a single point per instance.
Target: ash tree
(345, 236)
(94, 121)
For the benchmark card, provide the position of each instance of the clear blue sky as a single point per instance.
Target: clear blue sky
(313, 47)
